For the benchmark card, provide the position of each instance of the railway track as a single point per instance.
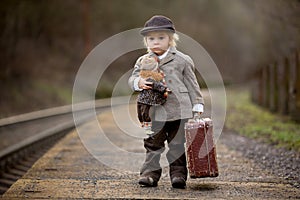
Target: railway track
(25, 138)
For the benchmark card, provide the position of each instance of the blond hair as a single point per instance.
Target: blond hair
(174, 38)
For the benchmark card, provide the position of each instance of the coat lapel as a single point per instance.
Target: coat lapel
(170, 56)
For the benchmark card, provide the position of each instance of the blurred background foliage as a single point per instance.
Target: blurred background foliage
(43, 42)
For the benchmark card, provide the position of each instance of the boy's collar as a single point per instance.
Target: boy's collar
(164, 54)
(170, 49)
(170, 55)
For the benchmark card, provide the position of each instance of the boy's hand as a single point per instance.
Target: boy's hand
(145, 85)
(168, 90)
(196, 115)
(199, 113)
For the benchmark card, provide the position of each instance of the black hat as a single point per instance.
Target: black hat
(158, 23)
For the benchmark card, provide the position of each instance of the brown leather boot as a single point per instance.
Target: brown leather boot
(147, 181)
(178, 182)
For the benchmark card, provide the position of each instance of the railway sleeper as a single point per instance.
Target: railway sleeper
(6, 182)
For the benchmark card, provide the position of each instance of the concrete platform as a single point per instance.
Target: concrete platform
(72, 171)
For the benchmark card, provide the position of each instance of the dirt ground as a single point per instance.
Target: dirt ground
(89, 167)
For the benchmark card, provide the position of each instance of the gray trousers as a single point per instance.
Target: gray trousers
(173, 133)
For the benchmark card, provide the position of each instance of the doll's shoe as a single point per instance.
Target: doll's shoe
(149, 132)
(178, 182)
(147, 128)
(147, 182)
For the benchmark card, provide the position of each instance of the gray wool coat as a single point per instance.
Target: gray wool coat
(181, 80)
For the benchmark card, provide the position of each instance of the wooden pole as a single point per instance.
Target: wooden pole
(283, 78)
(292, 84)
(296, 91)
(260, 89)
(273, 87)
(265, 87)
(286, 85)
(257, 89)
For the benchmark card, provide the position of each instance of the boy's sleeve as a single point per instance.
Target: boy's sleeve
(191, 83)
(135, 76)
(198, 108)
(136, 84)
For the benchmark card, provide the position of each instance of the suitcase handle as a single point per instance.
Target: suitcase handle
(196, 117)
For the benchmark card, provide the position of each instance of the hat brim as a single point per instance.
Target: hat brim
(146, 30)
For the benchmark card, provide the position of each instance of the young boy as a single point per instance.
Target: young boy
(168, 119)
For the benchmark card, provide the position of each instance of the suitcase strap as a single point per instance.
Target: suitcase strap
(207, 150)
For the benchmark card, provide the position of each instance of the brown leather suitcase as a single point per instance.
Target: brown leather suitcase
(200, 148)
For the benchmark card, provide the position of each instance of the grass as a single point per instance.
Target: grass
(253, 121)
(62, 94)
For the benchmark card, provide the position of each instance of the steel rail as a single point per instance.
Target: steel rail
(23, 154)
(62, 110)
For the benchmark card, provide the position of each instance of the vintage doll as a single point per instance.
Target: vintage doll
(168, 119)
(155, 96)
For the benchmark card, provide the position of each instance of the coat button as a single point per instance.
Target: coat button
(170, 81)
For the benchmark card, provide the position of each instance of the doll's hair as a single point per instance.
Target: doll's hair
(174, 38)
(149, 63)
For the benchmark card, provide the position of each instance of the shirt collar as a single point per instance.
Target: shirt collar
(171, 50)
(164, 54)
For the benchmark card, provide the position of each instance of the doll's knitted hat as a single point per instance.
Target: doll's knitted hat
(158, 23)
